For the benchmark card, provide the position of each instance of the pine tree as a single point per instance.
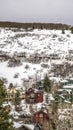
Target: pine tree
(2, 93)
(47, 84)
(5, 122)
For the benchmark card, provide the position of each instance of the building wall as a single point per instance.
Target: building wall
(40, 117)
(38, 97)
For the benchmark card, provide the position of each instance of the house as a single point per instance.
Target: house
(41, 120)
(63, 100)
(33, 96)
(11, 92)
(40, 117)
(66, 93)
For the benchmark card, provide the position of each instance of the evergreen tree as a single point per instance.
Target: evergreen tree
(47, 84)
(5, 122)
(2, 93)
(72, 30)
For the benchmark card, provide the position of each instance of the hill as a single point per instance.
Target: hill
(27, 55)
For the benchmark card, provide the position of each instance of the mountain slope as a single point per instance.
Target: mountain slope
(27, 55)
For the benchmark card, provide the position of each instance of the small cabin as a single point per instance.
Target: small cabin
(33, 96)
(65, 93)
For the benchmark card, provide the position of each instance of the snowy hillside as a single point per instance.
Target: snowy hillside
(27, 55)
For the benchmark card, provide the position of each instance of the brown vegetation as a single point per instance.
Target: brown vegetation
(57, 26)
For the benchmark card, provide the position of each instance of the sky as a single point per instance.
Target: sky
(49, 11)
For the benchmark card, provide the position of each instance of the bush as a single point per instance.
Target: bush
(47, 84)
(14, 62)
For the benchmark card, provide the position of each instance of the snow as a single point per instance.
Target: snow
(17, 124)
(14, 113)
(68, 90)
(50, 97)
(42, 42)
(31, 127)
(68, 87)
(67, 101)
(9, 73)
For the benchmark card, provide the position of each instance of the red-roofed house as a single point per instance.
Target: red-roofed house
(40, 117)
(33, 96)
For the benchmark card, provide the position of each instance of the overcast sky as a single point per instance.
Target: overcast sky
(60, 11)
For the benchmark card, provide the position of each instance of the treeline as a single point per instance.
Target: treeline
(57, 26)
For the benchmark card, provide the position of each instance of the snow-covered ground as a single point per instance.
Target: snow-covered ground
(20, 124)
(38, 52)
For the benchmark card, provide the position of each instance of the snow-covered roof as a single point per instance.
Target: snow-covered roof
(62, 96)
(68, 86)
(29, 126)
(17, 124)
(67, 101)
(65, 89)
(50, 97)
(20, 124)
(33, 90)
